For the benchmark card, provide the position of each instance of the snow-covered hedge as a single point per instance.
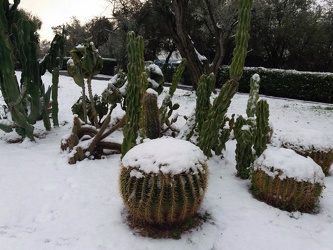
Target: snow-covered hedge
(309, 86)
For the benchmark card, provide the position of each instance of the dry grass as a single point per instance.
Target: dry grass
(287, 194)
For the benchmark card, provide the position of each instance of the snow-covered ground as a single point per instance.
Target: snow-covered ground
(45, 203)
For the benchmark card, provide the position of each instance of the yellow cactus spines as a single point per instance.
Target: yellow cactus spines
(166, 184)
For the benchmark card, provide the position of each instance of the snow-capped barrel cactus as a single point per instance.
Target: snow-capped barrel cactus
(163, 181)
(287, 180)
(313, 143)
(152, 125)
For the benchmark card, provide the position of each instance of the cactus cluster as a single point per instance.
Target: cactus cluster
(158, 189)
(85, 63)
(251, 133)
(17, 38)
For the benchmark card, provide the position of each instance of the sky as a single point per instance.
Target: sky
(57, 12)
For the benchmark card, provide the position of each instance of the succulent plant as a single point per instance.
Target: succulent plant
(166, 184)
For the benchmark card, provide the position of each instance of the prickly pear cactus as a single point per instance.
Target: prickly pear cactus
(166, 184)
(152, 125)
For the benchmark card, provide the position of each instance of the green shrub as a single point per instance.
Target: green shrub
(292, 84)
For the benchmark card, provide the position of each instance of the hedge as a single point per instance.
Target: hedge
(308, 86)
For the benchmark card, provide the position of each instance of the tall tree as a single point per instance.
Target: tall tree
(217, 20)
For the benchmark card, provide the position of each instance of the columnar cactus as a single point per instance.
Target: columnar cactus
(152, 125)
(209, 134)
(136, 81)
(166, 184)
(23, 41)
(253, 95)
(205, 88)
(241, 39)
(262, 127)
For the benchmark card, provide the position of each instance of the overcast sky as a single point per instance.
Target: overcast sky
(57, 12)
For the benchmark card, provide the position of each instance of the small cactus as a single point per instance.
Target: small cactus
(152, 125)
(262, 127)
(166, 184)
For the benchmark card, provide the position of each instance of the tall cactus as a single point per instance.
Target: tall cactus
(23, 39)
(135, 76)
(209, 134)
(53, 61)
(262, 129)
(241, 39)
(152, 125)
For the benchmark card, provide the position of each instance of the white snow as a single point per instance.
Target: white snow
(256, 77)
(286, 163)
(166, 155)
(47, 204)
(308, 139)
(151, 91)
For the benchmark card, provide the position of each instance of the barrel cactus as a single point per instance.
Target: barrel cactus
(287, 180)
(163, 181)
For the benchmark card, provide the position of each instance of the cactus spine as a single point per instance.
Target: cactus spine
(135, 76)
(152, 125)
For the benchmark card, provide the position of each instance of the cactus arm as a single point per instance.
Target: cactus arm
(241, 39)
(209, 134)
(134, 91)
(55, 105)
(262, 130)
(205, 88)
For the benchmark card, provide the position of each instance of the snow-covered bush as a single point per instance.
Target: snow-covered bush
(287, 180)
(163, 181)
(312, 143)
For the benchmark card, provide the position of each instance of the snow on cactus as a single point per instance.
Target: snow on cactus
(313, 143)
(287, 180)
(163, 181)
